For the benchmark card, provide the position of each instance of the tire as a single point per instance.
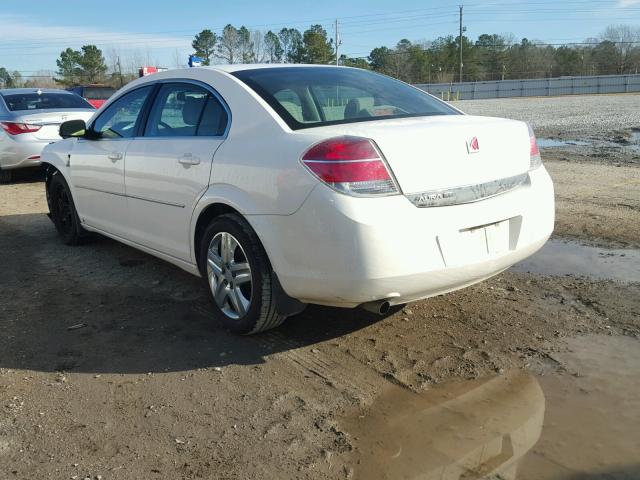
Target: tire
(63, 212)
(244, 300)
(5, 176)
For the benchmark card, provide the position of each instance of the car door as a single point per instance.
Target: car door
(167, 169)
(97, 163)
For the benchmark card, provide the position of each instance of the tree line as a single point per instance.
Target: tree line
(489, 57)
(241, 45)
(500, 57)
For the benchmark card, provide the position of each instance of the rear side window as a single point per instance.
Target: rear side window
(315, 96)
(120, 119)
(44, 101)
(185, 110)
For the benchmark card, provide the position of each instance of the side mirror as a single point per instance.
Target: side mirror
(73, 128)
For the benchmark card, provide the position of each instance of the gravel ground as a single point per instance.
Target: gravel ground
(609, 124)
(579, 116)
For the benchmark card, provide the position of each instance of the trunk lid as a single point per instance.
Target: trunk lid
(50, 120)
(439, 152)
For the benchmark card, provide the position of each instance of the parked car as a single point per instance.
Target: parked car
(30, 119)
(288, 185)
(96, 95)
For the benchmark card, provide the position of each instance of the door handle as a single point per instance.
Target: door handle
(188, 159)
(115, 156)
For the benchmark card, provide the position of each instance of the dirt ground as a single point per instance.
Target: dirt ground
(111, 367)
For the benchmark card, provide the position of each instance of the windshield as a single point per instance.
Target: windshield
(317, 96)
(44, 101)
(98, 93)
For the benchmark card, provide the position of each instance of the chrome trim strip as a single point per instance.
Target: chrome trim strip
(466, 193)
(144, 199)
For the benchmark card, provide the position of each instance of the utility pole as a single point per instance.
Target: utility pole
(460, 39)
(337, 42)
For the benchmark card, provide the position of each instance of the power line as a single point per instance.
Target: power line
(108, 37)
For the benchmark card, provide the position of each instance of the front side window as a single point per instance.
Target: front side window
(44, 101)
(119, 120)
(315, 96)
(185, 110)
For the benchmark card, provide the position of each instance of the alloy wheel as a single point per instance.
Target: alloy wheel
(229, 275)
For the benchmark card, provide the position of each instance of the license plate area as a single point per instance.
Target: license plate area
(478, 243)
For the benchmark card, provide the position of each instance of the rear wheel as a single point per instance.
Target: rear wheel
(5, 176)
(63, 212)
(239, 276)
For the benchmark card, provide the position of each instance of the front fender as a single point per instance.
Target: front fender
(57, 156)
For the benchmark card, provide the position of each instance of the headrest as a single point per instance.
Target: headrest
(191, 109)
(357, 104)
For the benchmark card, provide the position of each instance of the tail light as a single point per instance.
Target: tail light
(534, 152)
(13, 128)
(351, 165)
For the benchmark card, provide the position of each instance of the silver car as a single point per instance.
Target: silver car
(30, 119)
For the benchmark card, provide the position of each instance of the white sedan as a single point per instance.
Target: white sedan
(283, 185)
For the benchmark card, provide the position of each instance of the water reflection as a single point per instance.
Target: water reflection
(469, 430)
(564, 257)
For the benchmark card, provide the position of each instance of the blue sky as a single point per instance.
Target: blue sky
(159, 32)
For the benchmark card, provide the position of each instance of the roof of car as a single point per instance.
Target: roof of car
(13, 91)
(252, 66)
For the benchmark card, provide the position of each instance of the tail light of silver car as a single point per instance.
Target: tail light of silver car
(536, 159)
(351, 165)
(15, 128)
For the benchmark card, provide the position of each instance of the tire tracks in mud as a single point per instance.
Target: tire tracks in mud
(333, 368)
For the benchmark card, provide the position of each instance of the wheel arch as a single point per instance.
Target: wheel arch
(205, 214)
(51, 170)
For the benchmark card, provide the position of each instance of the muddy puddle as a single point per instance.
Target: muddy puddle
(555, 143)
(629, 144)
(580, 421)
(562, 257)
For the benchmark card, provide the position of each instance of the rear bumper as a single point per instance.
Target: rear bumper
(20, 153)
(345, 251)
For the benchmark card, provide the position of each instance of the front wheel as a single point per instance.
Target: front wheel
(5, 176)
(239, 276)
(63, 212)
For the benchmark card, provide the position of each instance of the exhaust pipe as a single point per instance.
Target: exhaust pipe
(379, 307)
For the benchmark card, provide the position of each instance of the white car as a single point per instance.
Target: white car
(284, 185)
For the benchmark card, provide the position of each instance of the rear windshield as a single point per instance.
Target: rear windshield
(317, 96)
(44, 101)
(98, 93)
